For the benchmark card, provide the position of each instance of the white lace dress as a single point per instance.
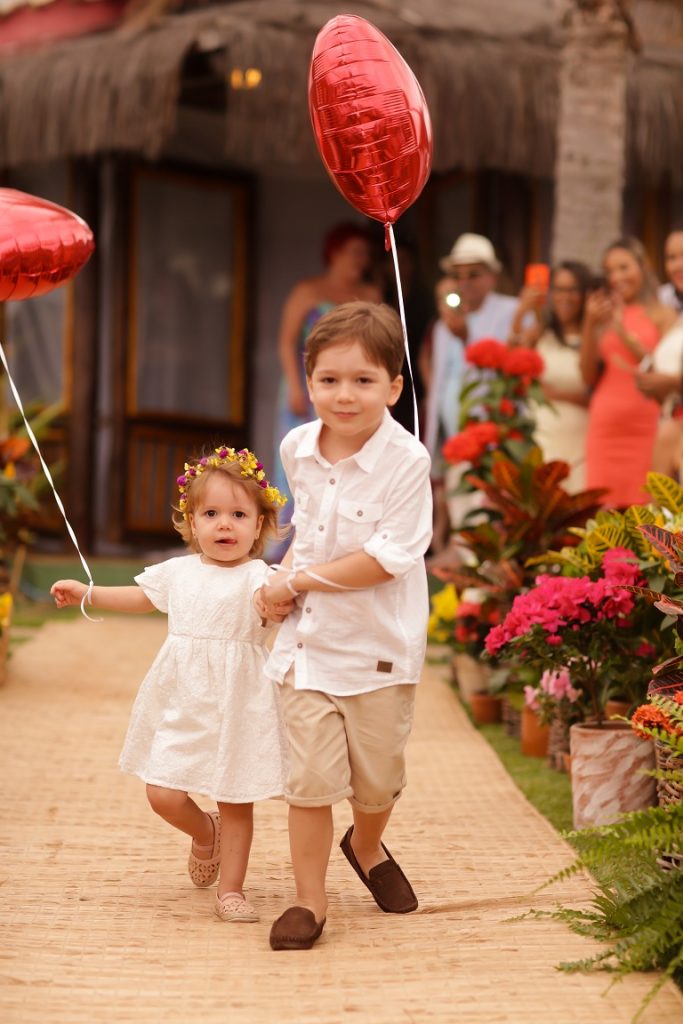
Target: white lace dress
(206, 718)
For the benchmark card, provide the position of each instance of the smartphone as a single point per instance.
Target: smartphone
(537, 275)
(598, 282)
(646, 364)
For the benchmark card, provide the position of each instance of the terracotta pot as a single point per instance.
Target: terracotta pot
(534, 735)
(486, 709)
(607, 766)
(616, 707)
(472, 677)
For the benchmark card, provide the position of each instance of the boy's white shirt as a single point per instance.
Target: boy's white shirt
(378, 501)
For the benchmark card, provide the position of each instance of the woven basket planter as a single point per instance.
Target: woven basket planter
(558, 744)
(668, 792)
(512, 719)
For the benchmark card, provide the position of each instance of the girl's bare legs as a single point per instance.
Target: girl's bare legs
(310, 843)
(180, 810)
(237, 829)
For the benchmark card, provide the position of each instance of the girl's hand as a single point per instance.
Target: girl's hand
(68, 592)
(276, 591)
(275, 612)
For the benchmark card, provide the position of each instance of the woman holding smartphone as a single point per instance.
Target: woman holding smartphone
(623, 324)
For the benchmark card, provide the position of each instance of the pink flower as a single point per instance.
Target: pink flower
(554, 640)
(530, 697)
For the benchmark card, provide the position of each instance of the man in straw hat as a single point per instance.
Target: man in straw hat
(473, 263)
(473, 267)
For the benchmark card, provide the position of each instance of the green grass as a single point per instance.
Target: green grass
(549, 791)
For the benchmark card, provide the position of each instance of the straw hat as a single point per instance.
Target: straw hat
(470, 248)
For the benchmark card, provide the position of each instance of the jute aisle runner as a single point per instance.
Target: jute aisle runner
(100, 923)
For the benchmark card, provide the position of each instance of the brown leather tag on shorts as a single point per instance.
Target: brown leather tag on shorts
(384, 666)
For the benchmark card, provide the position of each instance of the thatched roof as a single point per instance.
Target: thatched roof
(489, 71)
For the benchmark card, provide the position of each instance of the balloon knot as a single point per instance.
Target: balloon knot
(387, 237)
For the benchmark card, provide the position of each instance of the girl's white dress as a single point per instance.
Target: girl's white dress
(206, 718)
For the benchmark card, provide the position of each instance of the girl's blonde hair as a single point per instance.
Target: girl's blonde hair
(243, 469)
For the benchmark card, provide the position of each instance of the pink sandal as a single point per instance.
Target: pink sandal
(205, 872)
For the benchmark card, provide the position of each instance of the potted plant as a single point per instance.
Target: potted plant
(463, 625)
(553, 705)
(587, 627)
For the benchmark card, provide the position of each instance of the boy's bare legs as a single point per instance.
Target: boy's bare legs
(366, 838)
(180, 810)
(310, 843)
(237, 830)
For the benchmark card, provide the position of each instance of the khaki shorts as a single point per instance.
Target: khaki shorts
(347, 747)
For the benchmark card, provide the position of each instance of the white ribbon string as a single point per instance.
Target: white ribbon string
(34, 441)
(275, 567)
(416, 424)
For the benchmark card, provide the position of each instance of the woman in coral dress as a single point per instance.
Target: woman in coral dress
(623, 324)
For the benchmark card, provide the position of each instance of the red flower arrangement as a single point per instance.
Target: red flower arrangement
(494, 403)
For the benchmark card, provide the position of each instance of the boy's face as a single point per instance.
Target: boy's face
(350, 392)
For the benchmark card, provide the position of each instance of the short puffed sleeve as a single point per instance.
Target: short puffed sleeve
(155, 581)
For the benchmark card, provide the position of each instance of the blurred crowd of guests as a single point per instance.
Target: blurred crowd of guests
(611, 339)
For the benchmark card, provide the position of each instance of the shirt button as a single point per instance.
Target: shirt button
(299, 645)
(321, 528)
(359, 512)
(308, 609)
(384, 536)
(333, 481)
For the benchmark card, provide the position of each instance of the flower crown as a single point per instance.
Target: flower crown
(250, 468)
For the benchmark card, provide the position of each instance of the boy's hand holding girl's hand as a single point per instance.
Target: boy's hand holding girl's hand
(68, 592)
(275, 610)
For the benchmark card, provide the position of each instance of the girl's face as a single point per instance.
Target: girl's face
(624, 274)
(565, 296)
(673, 259)
(225, 521)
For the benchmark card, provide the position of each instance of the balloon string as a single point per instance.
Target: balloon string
(416, 423)
(48, 474)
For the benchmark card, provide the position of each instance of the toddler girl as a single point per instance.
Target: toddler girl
(206, 719)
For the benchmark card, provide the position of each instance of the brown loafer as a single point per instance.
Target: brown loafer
(297, 928)
(391, 890)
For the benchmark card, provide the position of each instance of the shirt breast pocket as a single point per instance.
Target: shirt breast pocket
(357, 521)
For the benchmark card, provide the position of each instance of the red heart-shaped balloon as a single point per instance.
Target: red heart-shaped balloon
(370, 118)
(42, 245)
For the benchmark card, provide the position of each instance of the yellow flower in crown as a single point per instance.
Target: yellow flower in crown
(250, 467)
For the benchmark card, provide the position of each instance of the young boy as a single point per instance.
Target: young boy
(350, 654)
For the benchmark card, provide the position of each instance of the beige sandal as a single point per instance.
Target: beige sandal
(232, 906)
(205, 872)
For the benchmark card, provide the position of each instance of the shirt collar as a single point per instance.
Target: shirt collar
(366, 458)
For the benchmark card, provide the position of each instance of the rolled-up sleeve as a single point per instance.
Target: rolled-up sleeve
(404, 532)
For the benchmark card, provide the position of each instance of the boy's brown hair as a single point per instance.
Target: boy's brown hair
(376, 328)
(193, 492)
